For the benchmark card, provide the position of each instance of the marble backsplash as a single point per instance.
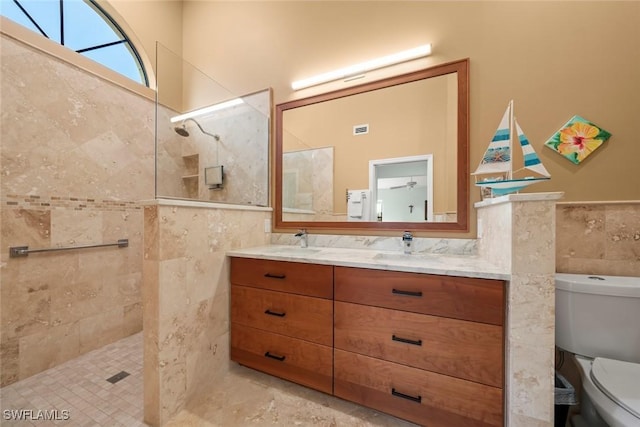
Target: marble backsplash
(598, 238)
(382, 243)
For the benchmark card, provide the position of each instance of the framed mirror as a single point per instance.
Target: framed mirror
(392, 154)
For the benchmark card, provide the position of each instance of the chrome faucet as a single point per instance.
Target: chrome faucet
(302, 234)
(407, 242)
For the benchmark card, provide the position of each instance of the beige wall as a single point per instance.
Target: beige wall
(555, 59)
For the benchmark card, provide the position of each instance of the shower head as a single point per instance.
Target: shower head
(182, 130)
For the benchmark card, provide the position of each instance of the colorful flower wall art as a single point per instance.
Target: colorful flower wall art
(577, 139)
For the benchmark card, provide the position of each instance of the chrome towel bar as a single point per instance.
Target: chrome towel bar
(20, 251)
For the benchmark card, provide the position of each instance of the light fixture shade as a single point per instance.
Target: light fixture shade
(363, 67)
(206, 110)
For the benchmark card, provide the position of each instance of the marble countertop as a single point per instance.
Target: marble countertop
(430, 263)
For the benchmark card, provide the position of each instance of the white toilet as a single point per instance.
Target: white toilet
(598, 320)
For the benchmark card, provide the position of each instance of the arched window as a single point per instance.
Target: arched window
(83, 26)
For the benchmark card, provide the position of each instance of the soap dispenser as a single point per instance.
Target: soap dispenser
(407, 242)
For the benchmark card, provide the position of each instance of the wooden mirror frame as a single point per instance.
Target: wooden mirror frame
(461, 67)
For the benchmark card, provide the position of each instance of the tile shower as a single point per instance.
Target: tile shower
(75, 164)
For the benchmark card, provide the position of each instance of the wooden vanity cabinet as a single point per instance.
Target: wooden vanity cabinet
(435, 343)
(282, 320)
(425, 348)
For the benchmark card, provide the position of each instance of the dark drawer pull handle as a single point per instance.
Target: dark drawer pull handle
(273, 356)
(407, 293)
(275, 276)
(406, 340)
(417, 399)
(274, 313)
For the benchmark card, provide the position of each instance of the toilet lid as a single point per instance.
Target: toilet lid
(620, 381)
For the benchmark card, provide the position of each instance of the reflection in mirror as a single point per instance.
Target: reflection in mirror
(206, 152)
(402, 189)
(307, 184)
(418, 120)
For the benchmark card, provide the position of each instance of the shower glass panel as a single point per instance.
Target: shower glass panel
(201, 126)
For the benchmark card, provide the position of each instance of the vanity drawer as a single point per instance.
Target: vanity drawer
(479, 300)
(419, 396)
(293, 315)
(295, 360)
(298, 278)
(459, 348)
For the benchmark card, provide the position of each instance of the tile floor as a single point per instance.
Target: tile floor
(244, 397)
(79, 395)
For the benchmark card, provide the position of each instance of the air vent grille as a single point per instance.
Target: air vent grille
(361, 129)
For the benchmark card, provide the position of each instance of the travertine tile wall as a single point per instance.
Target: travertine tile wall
(186, 296)
(308, 185)
(76, 155)
(518, 234)
(56, 306)
(598, 238)
(76, 159)
(242, 149)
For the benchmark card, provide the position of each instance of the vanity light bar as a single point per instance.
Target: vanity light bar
(206, 110)
(363, 67)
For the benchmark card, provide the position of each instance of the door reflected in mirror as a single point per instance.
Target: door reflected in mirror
(402, 189)
(384, 155)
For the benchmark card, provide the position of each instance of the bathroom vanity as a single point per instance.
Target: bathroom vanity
(187, 327)
(282, 320)
(385, 333)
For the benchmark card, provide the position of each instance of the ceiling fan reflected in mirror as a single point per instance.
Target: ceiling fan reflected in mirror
(409, 185)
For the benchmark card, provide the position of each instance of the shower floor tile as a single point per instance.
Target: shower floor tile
(77, 392)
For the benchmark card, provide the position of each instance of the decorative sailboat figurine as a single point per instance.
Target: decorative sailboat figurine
(498, 159)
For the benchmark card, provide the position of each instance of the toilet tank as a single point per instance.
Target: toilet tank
(598, 316)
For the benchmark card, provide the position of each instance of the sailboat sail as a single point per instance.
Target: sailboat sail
(531, 159)
(497, 158)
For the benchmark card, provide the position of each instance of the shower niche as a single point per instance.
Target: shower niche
(191, 177)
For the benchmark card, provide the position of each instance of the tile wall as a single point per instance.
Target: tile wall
(518, 234)
(241, 148)
(76, 159)
(58, 305)
(308, 186)
(186, 294)
(76, 155)
(599, 238)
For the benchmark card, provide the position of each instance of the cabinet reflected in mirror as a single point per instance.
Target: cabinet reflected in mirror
(326, 146)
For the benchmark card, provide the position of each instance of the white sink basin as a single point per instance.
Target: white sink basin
(398, 257)
(293, 250)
